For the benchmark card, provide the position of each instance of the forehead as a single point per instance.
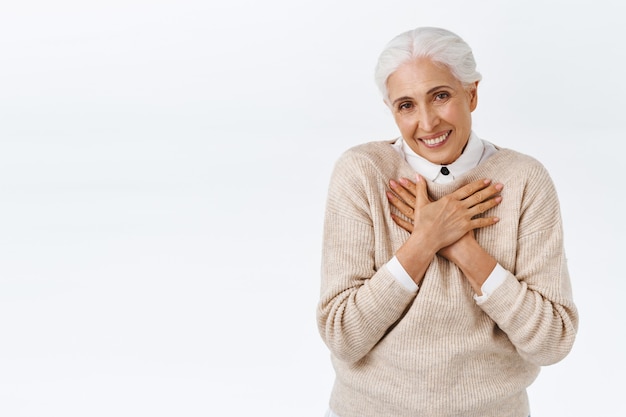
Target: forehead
(417, 77)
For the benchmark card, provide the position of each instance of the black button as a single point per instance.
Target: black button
(445, 171)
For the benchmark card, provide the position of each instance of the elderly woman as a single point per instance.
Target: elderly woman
(443, 294)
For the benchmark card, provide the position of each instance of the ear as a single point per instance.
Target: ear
(472, 93)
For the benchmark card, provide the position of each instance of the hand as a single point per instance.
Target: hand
(449, 218)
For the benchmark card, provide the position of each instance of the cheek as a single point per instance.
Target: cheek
(406, 125)
(460, 117)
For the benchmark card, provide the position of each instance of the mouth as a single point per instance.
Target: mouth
(431, 141)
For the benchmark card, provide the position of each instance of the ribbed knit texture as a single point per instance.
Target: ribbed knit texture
(437, 353)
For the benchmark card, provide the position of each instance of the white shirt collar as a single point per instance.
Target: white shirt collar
(474, 153)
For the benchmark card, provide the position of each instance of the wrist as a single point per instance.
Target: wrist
(475, 263)
(462, 251)
(415, 255)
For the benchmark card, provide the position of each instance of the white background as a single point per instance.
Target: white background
(163, 170)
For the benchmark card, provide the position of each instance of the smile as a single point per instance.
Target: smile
(437, 140)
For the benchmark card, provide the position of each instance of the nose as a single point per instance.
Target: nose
(428, 119)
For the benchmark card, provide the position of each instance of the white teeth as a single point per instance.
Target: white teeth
(435, 141)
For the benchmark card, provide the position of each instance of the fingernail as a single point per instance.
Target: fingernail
(499, 186)
(404, 181)
(496, 219)
(498, 199)
(389, 195)
(393, 183)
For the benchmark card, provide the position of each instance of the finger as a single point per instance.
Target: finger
(403, 193)
(408, 226)
(470, 189)
(421, 192)
(483, 195)
(484, 206)
(481, 222)
(408, 185)
(400, 205)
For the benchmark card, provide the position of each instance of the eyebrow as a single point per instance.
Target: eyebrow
(432, 90)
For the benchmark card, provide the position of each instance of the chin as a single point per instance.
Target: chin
(441, 161)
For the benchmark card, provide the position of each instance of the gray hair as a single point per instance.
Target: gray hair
(440, 45)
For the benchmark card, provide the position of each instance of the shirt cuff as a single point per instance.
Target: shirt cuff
(494, 280)
(399, 273)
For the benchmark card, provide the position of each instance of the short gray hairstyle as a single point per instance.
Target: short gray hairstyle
(440, 45)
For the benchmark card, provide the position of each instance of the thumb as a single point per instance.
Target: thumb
(421, 191)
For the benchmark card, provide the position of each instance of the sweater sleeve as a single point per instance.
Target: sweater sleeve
(534, 305)
(359, 300)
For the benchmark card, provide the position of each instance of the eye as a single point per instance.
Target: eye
(442, 96)
(407, 105)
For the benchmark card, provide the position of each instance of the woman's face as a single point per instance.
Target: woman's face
(432, 109)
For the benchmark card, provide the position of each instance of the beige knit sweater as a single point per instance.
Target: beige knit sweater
(438, 353)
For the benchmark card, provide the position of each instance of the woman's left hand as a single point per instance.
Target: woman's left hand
(404, 200)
